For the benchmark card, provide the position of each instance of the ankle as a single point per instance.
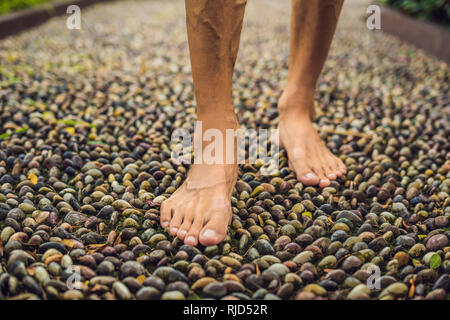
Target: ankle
(212, 134)
(297, 102)
(218, 120)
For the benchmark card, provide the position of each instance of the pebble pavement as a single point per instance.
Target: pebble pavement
(86, 120)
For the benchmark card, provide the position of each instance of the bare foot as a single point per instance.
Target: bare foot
(200, 210)
(308, 156)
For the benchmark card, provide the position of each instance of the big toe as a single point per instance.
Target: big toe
(308, 178)
(214, 231)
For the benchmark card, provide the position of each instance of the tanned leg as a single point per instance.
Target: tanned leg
(313, 23)
(200, 210)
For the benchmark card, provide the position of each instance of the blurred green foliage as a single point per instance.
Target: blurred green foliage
(13, 5)
(431, 10)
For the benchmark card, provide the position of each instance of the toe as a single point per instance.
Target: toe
(175, 223)
(324, 182)
(309, 179)
(165, 214)
(335, 166)
(181, 234)
(191, 237)
(184, 228)
(341, 166)
(307, 176)
(214, 231)
(331, 175)
(321, 173)
(337, 173)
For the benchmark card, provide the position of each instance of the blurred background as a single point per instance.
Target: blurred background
(432, 10)
(7, 6)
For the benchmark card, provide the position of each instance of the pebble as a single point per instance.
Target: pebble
(396, 289)
(173, 295)
(215, 290)
(437, 242)
(121, 291)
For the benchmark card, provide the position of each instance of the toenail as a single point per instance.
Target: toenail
(183, 232)
(190, 239)
(323, 181)
(209, 233)
(164, 224)
(310, 176)
(173, 230)
(331, 176)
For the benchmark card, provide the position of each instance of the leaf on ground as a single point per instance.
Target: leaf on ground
(330, 220)
(70, 130)
(70, 243)
(30, 271)
(95, 247)
(141, 278)
(412, 288)
(33, 178)
(118, 240)
(22, 130)
(258, 272)
(307, 213)
(386, 205)
(435, 261)
(5, 135)
(54, 258)
(261, 222)
(405, 225)
(416, 262)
